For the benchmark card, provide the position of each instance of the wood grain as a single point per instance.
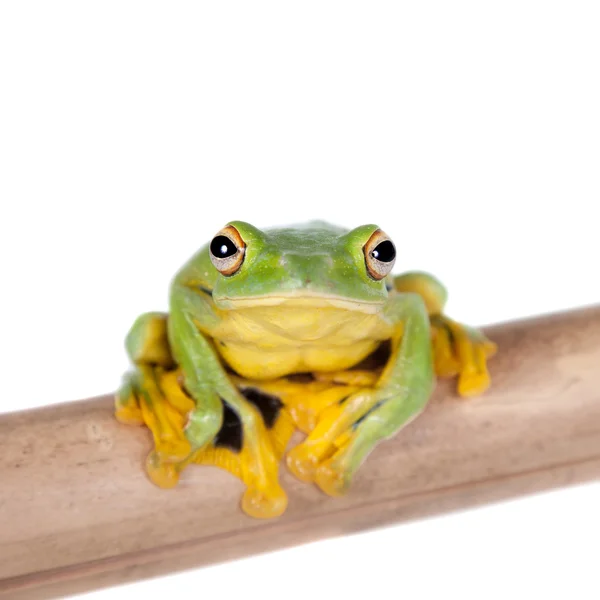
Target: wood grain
(77, 511)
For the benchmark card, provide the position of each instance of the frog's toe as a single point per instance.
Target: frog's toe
(173, 448)
(264, 503)
(472, 383)
(305, 420)
(163, 474)
(474, 378)
(331, 480)
(302, 463)
(128, 415)
(264, 498)
(127, 403)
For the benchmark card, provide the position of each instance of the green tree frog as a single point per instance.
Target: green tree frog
(295, 328)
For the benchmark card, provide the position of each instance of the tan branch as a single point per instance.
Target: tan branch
(77, 511)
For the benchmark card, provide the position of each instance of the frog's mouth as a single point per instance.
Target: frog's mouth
(301, 300)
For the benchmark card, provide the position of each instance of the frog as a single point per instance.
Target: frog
(300, 328)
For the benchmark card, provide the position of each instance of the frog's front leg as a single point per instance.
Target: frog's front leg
(346, 433)
(210, 386)
(458, 349)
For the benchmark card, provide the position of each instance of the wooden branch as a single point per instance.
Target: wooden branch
(77, 511)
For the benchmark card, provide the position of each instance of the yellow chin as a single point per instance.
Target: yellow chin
(270, 337)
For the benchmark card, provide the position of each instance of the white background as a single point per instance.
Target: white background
(470, 131)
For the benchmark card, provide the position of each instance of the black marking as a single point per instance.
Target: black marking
(181, 382)
(451, 335)
(301, 377)
(378, 358)
(231, 434)
(340, 402)
(371, 410)
(206, 291)
(388, 286)
(268, 405)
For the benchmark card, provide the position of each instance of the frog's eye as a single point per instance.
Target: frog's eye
(380, 255)
(227, 250)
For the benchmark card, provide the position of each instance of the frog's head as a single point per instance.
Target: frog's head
(313, 265)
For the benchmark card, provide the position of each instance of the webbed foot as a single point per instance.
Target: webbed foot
(329, 456)
(140, 400)
(249, 448)
(463, 351)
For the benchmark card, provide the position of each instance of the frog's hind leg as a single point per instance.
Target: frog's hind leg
(235, 449)
(458, 350)
(164, 405)
(305, 398)
(227, 449)
(248, 441)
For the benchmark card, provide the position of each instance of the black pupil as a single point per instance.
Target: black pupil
(222, 247)
(384, 252)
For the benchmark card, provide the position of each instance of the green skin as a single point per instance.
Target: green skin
(315, 259)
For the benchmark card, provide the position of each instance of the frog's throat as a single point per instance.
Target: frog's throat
(301, 300)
